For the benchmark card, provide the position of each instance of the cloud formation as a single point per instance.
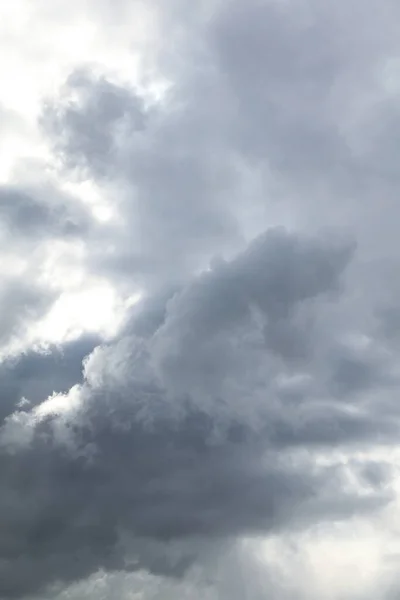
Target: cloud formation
(241, 176)
(184, 435)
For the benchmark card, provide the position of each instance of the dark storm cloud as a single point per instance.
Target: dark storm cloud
(61, 517)
(177, 435)
(163, 485)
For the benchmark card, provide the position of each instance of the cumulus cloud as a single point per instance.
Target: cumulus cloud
(181, 436)
(245, 163)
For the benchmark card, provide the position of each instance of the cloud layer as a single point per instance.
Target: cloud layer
(230, 174)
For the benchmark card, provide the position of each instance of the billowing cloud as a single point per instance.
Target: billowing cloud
(229, 174)
(182, 435)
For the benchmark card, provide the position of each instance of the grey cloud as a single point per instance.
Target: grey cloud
(37, 213)
(283, 103)
(88, 132)
(231, 576)
(178, 437)
(31, 216)
(298, 73)
(34, 376)
(192, 425)
(376, 473)
(389, 322)
(352, 374)
(314, 110)
(268, 51)
(173, 190)
(20, 304)
(287, 86)
(61, 516)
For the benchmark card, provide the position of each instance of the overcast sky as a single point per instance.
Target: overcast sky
(199, 299)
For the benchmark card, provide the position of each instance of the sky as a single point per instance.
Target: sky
(199, 300)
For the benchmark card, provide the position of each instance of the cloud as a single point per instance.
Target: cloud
(33, 220)
(29, 214)
(279, 136)
(86, 130)
(230, 576)
(35, 375)
(171, 191)
(20, 304)
(252, 390)
(178, 438)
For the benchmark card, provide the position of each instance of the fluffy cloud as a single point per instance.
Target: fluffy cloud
(183, 436)
(247, 406)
